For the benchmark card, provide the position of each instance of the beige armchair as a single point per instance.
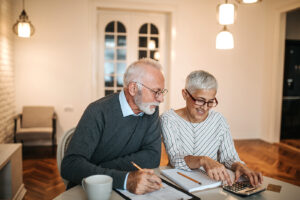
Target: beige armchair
(36, 123)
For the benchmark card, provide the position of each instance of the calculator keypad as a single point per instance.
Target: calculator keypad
(238, 186)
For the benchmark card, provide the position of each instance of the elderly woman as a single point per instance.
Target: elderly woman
(196, 136)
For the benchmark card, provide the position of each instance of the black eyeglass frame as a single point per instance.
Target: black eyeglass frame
(156, 93)
(215, 101)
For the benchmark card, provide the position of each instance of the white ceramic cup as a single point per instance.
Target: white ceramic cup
(97, 187)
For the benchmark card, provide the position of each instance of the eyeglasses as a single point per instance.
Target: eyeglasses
(200, 102)
(156, 93)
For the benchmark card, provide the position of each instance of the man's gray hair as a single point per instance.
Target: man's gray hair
(135, 71)
(200, 79)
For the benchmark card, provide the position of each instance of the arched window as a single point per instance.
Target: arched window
(148, 42)
(114, 56)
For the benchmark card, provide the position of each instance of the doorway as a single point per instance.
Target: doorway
(290, 115)
(125, 36)
(290, 120)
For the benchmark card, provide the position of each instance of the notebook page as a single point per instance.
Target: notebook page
(165, 193)
(187, 184)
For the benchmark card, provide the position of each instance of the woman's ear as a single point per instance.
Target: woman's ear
(183, 94)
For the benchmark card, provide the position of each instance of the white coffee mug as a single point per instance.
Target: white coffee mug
(97, 187)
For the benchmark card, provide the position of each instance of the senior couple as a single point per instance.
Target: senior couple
(125, 127)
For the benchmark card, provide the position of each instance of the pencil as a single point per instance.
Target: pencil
(189, 178)
(139, 168)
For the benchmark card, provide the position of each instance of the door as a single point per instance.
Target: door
(124, 37)
(290, 119)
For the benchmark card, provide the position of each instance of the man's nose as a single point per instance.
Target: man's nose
(160, 98)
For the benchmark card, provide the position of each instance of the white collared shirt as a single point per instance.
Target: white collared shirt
(126, 109)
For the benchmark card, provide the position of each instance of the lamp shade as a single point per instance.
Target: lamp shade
(224, 40)
(226, 13)
(23, 27)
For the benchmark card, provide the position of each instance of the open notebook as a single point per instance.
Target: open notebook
(198, 175)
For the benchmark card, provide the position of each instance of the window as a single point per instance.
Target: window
(115, 56)
(148, 44)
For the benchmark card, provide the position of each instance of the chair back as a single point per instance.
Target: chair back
(62, 147)
(37, 116)
(164, 158)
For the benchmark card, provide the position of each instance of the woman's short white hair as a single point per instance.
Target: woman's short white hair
(199, 80)
(135, 71)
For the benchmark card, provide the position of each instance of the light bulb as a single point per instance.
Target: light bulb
(24, 29)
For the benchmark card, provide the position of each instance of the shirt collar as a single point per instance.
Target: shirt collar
(126, 109)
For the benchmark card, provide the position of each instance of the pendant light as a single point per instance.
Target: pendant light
(226, 13)
(23, 27)
(224, 39)
(248, 1)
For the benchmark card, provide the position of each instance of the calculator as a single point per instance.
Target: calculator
(243, 188)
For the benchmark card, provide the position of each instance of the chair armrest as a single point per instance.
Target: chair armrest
(54, 116)
(17, 116)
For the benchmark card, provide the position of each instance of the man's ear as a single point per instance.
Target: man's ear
(132, 88)
(183, 94)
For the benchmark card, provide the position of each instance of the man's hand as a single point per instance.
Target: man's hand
(214, 169)
(143, 181)
(254, 177)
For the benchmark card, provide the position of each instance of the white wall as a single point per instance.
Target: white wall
(54, 66)
(238, 71)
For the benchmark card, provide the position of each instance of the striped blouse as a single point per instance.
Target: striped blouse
(208, 138)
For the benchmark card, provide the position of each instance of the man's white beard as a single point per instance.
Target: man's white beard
(145, 107)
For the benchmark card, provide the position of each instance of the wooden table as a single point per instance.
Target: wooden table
(288, 192)
(11, 172)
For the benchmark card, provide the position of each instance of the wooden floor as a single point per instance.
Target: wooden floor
(40, 174)
(273, 160)
(291, 143)
(43, 182)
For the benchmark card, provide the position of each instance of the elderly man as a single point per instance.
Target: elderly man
(119, 129)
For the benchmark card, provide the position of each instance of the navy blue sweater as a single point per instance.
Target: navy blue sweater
(105, 142)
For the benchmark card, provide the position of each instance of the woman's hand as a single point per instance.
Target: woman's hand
(254, 177)
(214, 169)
